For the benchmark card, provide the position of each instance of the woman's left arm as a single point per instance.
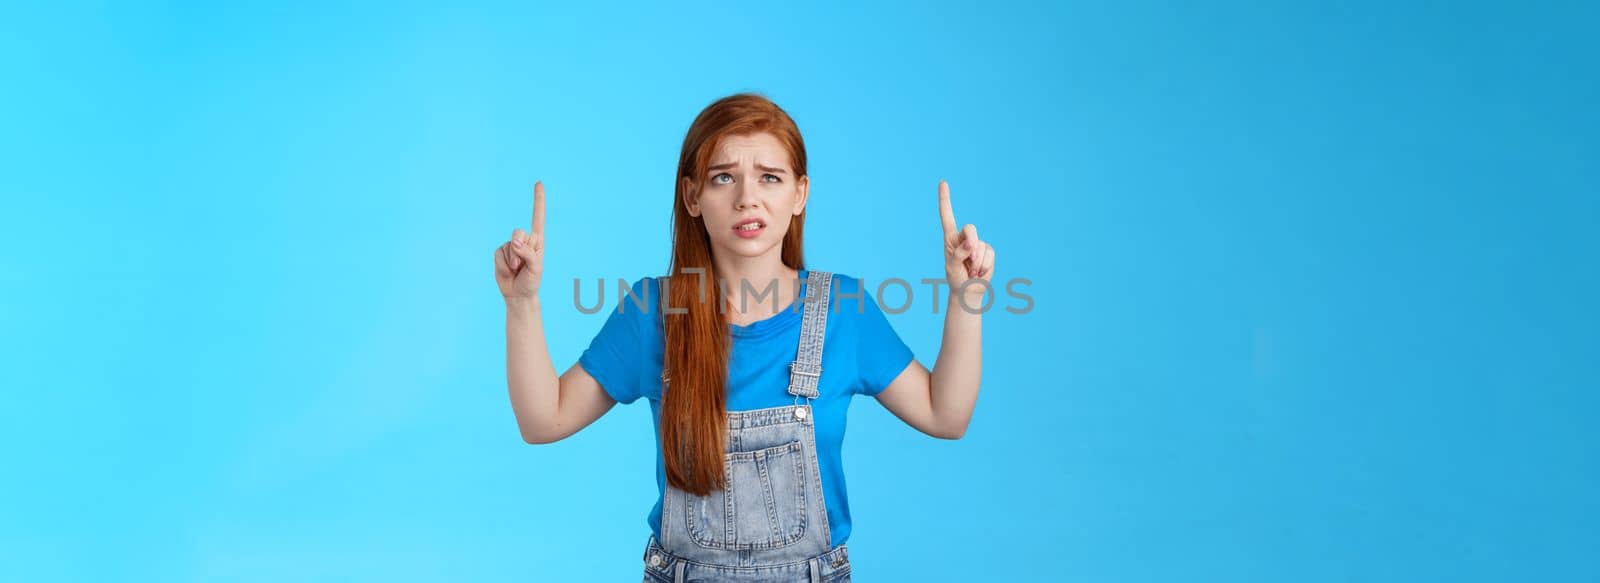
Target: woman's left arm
(940, 403)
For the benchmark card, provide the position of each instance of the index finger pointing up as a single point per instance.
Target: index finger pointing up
(538, 207)
(946, 215)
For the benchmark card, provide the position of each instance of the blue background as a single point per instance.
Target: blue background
(1314, 282)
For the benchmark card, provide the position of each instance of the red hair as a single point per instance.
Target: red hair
(694, 405)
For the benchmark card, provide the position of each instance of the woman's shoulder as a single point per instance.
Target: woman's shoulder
(853, 296)
(639, 296)
(846, 286)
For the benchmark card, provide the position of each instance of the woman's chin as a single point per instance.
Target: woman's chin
(750, 248)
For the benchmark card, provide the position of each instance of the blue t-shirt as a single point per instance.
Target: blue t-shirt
(861, 355)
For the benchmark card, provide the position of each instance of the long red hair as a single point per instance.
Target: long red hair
(694, 407)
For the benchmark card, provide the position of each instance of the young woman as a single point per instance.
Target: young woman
(748, 378)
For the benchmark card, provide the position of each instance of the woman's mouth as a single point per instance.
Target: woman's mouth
(749, 229)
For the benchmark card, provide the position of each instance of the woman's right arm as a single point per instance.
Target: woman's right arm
(548, 408)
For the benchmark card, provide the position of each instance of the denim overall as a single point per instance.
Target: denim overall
(769, 524)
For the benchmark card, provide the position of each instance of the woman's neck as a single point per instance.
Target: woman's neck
(757, 287)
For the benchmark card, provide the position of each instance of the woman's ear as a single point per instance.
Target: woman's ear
(803, 186)
(691, 201)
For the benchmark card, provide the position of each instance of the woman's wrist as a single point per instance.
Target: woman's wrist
(519, 303)
(970, 299)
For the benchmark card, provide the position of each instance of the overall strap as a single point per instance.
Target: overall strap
(806, 369)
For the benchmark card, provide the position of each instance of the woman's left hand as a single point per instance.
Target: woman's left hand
(965, 255)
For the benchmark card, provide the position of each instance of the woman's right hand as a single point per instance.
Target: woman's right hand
(519, 263)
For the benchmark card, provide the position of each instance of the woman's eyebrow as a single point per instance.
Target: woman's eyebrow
(761, 167)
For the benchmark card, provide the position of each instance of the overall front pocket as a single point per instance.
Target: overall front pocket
(763, 507)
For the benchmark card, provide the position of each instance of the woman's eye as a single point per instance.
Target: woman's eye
(723, 178)
(764, 177)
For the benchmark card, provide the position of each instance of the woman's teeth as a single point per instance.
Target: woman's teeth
(749, 226)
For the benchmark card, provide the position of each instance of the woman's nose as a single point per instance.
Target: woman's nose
(745, 198)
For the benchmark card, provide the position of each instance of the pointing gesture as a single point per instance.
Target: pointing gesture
(965, 255)
(519, 263)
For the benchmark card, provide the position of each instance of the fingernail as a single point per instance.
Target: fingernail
(517, 242)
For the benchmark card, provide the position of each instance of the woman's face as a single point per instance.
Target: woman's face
(748, 195)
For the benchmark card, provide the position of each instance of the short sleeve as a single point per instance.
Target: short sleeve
(615, 357)
(880, 353)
